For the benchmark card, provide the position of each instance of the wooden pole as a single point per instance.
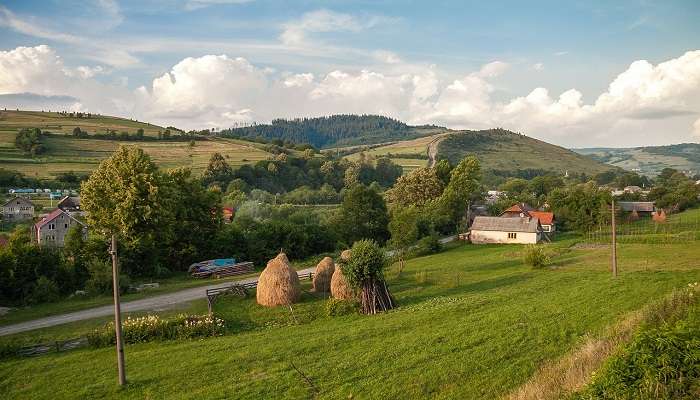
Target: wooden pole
(614, 242)
(117, 313)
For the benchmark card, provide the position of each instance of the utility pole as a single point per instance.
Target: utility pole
(614, 242)
(117, 313)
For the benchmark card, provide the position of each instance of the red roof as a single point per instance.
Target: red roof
(545, 217)
(518, 208)
(50, 217)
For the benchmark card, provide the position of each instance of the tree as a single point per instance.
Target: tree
(443, 169)
(464, 187)
(365, 271)
(352, 175)
(29, 141)
(127, 196)
(386, 172)
(404, 231)
(139, 134)
(217, 170)
(363, 215)
(416, 188)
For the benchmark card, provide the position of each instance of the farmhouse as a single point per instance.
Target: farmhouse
(505, 230)
(645, 208)
(53, 228)
(524, 210)
(17, 209)
(70, 204)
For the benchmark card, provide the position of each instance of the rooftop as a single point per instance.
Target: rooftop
(505, 224)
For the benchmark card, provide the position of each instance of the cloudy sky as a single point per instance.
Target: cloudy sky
(575, 73)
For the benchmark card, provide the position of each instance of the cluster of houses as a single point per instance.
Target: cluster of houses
(52, 228)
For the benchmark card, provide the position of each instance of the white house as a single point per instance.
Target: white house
(53, 228)
(505, 230)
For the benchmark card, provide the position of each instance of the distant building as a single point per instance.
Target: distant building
(53, 228)
(492, 196)
(228, 214)
(517, 210)
(632, 189)
(505, 230)
(70, 204)
(17, 209)
(641, 208)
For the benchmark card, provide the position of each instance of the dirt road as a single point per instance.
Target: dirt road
(155, 303)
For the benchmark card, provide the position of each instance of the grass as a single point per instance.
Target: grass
(406, 147)
(66, 154)
(57, 123)
(473, 322)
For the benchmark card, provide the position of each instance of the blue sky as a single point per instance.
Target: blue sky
(418, 61)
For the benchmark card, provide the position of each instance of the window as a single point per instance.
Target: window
(512, 235)
(66, 226)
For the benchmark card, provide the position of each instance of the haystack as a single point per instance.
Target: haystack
(323, 274)
(278, 284)
(340, 288)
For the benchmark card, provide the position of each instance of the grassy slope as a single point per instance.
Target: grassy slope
(649, 161)
(477, 327)
(56, 123)
(510, 151)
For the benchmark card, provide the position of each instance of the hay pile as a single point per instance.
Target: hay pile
(323, 274)
(278, 284)
(340, 288)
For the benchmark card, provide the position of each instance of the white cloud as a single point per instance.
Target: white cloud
(192, 5)
(9, 20)
(645, 104)
(538, 66)
(295, 32)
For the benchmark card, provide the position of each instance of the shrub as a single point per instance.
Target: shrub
(45, 290)
(338, 307)
(100, 281)
(428, 245)
(660, 363)
(536, 256)
(152, 327)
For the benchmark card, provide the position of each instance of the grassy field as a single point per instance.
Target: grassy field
(12, 121)
(83, 155)
(408, 147)
(473, 322)
(650, 160)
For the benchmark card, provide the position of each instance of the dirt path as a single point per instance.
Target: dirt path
(155, 303)
(433, 148)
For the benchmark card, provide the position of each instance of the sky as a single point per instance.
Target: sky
(574, 73)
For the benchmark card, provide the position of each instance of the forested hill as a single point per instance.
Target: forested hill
(335, 130)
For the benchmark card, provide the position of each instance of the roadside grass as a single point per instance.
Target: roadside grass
(175, 283)
(473, 322)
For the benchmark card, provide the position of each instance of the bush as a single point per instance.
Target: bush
(660, 363)
(45, 290)
(100, 281)
(152, 327)
(428, 245)
(536, 256)
(338, 307)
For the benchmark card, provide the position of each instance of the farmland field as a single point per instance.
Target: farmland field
(407, 148)
(11, 121)
(473, 322)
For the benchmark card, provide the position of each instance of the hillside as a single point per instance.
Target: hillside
(335, 130)
(505, 153)
(650, 160)
(11, 121)
(82, 155)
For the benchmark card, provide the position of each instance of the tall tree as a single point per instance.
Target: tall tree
(416, 188)
(127, 196)
(363, 215)
(404, 231)
(217, 170)
(464, 186)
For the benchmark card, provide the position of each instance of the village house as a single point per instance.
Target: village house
(521, 210)
(505, 230)
(640, 208)
(53, 228)
(17, 209)
(70, 204)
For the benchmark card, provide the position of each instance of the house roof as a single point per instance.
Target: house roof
(69, 202)
(545, 217)
(53, 215)
(18, 199)
(520, 207)
(644, 206)
(524, 224)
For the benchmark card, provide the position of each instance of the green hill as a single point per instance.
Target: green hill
(650, 160)
(505, 153)
(335, 130)
(66, 153)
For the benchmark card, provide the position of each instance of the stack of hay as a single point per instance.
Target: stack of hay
(278, 284)
(340, 288)
(323, 275)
